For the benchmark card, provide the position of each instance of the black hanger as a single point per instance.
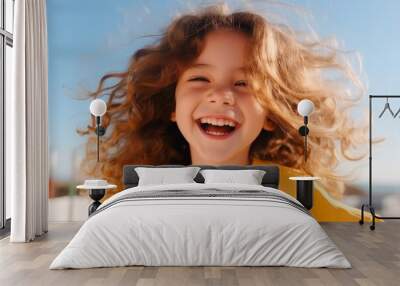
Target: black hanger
(397, 113)
(387, 107)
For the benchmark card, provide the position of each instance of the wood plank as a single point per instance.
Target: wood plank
(375, 258)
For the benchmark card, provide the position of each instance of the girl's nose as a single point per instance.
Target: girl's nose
(222, 96)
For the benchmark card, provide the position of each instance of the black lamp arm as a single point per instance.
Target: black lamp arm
(100, 131)
(303, 130)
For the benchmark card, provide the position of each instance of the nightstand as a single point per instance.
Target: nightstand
(97, 189)
(304, 190)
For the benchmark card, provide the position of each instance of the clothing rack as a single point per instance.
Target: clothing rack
(370, 204)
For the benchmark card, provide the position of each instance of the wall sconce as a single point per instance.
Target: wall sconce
(305, 108)
(98, 108)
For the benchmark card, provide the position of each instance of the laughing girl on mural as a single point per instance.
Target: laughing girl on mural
(222, 88)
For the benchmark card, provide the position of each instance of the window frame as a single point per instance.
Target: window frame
(6, 39)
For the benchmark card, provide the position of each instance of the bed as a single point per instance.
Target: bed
(201, 224)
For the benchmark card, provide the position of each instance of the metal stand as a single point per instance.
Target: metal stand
(96, 195)
(370, 204)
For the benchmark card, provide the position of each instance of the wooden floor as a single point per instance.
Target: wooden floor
(375, 257)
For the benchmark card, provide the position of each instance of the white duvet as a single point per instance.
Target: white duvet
(200, 231)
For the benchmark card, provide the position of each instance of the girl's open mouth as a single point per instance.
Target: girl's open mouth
(217, 128)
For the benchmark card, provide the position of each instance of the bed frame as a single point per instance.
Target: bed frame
(271, 178)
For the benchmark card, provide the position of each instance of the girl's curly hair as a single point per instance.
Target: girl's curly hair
(283, 70)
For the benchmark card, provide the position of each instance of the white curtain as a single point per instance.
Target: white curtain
(27, 170)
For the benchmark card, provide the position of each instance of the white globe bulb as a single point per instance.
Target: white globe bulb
(98, 107)
(305, 107)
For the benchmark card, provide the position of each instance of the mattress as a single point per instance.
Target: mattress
(201, 225)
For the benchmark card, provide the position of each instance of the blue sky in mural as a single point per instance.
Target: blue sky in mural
(90, 38)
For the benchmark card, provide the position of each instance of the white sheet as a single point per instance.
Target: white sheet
(200, 231)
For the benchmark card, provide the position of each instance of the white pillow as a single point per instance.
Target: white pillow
(162, 176)
(248, 177)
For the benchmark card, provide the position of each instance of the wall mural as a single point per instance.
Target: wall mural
(209, 84)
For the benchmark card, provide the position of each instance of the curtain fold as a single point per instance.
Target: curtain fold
(27, 116)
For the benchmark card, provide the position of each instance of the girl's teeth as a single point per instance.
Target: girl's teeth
(217, 122)
(215, 133)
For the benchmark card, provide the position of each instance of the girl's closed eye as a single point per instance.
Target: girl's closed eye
(199, 78)
(241, 83)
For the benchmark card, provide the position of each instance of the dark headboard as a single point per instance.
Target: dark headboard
(270, 179)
